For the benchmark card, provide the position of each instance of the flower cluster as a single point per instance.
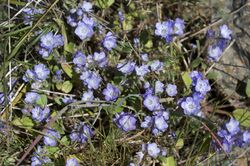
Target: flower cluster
(191, 104)
(170, 28)
(231, 135)
(215, 50)
(40, 157)
(39, 114)
(40, 73)
(82, 133)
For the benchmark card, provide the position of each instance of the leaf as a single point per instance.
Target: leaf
(243, 116)
(27, 122)
(196, 62)
(248, 88)
(168, 161)
(67, 69)
(67, 86)
(65, 141)
(186, 79)
(42, 101)
(52, 149)
(104, 3)
(180, 143)
(212, 75)
(70, 48)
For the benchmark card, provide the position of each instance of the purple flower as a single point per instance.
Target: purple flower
(89, 21)
(91, 79)
(214, 53)
(40, 115)
(225, 32)
(156, 65)
(127, 67)
(125, 121)
(147, 122)
(153, 150)
(144, 57)
(141, 70)
(198, 96)
(179, 26)
(79, 59)
(40, 157)
(72, 21)
(67, 99)
(72, 162)
(44, 52)
(246, 137)
(160, 123)
(86, 6)
(165, 28)
(109, 41)
(233, 126)
(190, 106)
(152, 103)
(111, 92)
(51, 137)
(100, 58)
(171, 90)
(31, 97)
(210, 33)
(159, 87)
(84, 31)
(29, 75)
(41, 72)
(202, 86)
(50, 41)
(81, 133)
(195, 75)
(121, 16)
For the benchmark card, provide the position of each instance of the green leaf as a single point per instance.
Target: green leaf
(27, 122)
(104, 3)
(52, 149)
(67, 69)
(186, 79)
(70, 48)
(42, 101)
(212, 75)
(243, 116)
(180, 143)
(248, 88)
(168, 161)
(196, 62)
(65, 141)
(67, 86)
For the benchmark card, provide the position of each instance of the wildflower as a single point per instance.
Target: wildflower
(156, 65)
(40, 157)
(29, 75)
(148, 120)
(165, 28)
(50, 41)
(100, 58)
(195, 75)
(85, 6)
(82, 133)
(40, 115)
(233, 126)
(190, 106)
(44, 52)
(210, 33)
(88, 21)
(127, 67)
(109, 41)
(51, 137)
(159, 87)
(125, 121)
(72, 162)
(121, 16)
(136, 42)
(225, 32)
(41, 72)
(179, 26)
(31, 97)
(153, 150)
(151, 103)
(67, 99)
(141, 70)
(91, 79)
(111, 92)
(202, 86)
(71, 20)
(171, 90)
(214, 53)
(246, 136)
(160, 122)
(144, 57)
(79, 59)
(84, 31)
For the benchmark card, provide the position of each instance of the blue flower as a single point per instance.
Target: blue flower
(246, 137)
(50, 41)
(159, 87)
(82, 133)
(127, 67)
(190, 106)
(109, 41)
(71, 20)
(142, 70)
(144, 57)
(121, 16)
(31, 97)
(87, 96)
(233, 126)
(125, 121)
(153, 150)
(79, 59)
(152, 103)
(156, 65)
(89, 21)
(111, 92)
(91, 79)
(202, 86)
(225, 32)
(195, 75)
(29, 75)
(51, 137)
(72, 162)
(165, 28)
(198, 96)
(147, 122)
(179, 26)
(44, 52)
(40, 115)
(210, 33)
(214, 53)
(171, 90)
(67, 99)
(86, 6)
(40, 157)
(41, 72)
(84, 31)
(101, 59)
